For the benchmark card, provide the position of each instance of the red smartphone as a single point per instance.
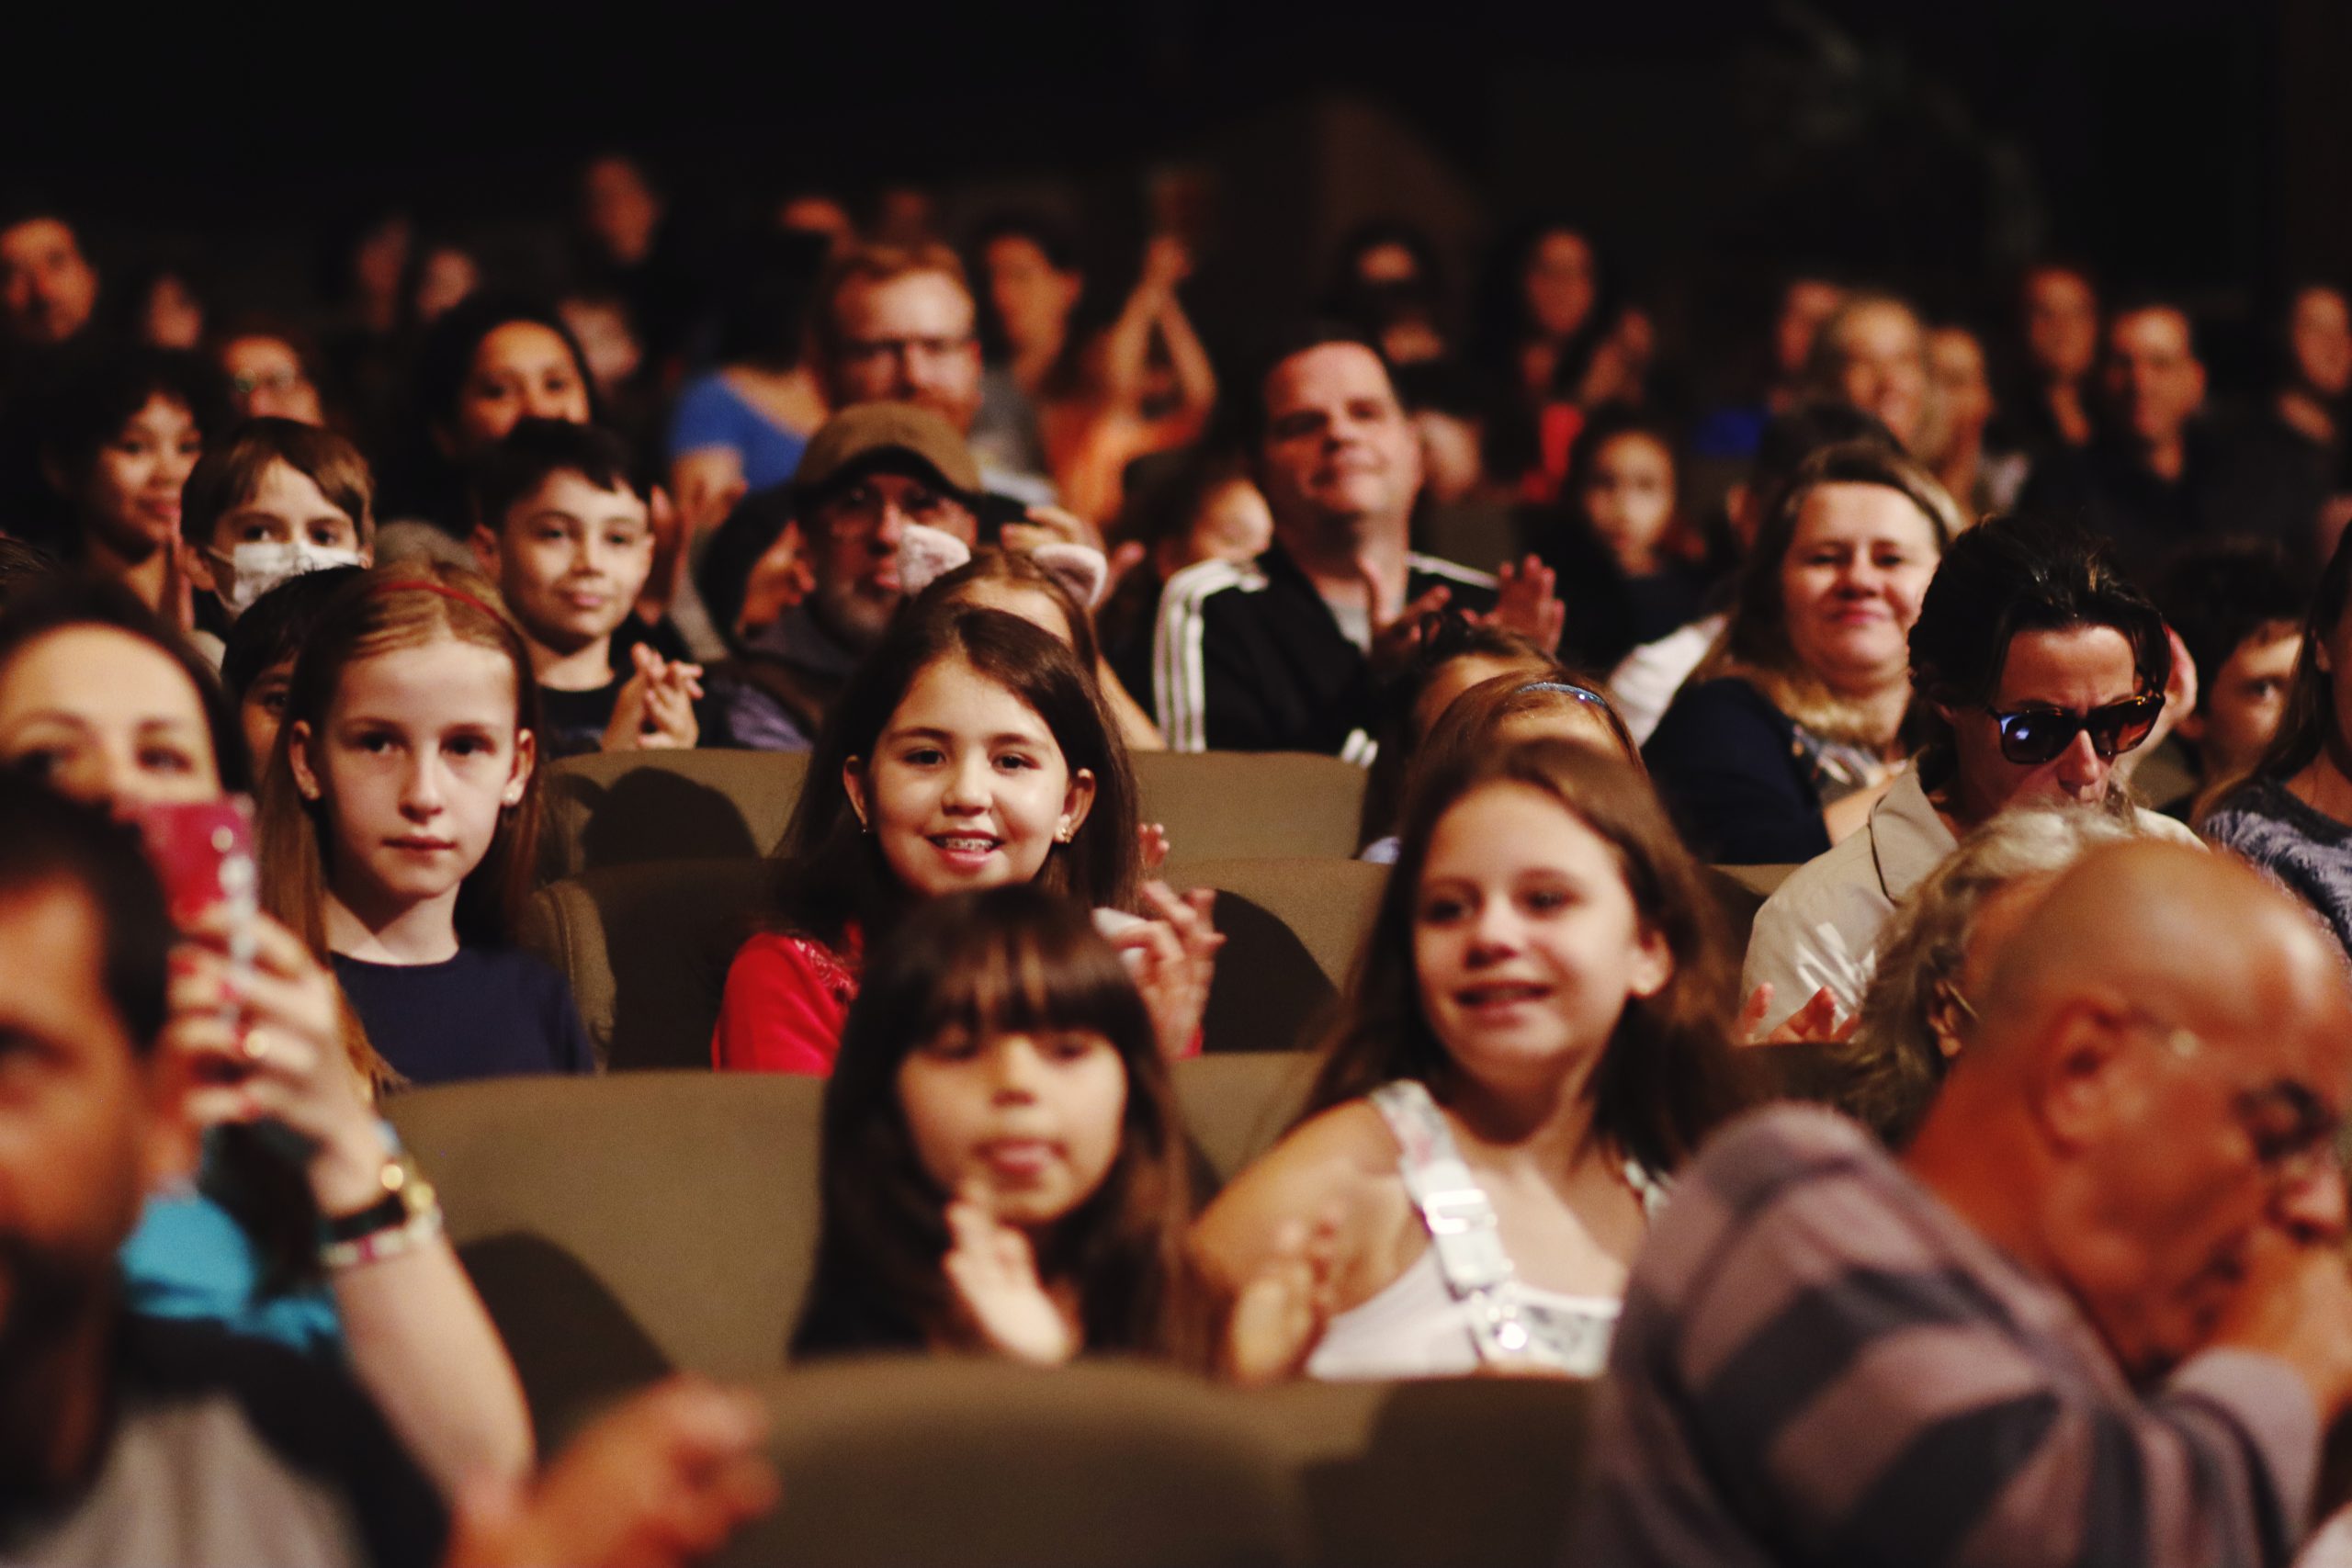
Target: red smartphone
(203, 851)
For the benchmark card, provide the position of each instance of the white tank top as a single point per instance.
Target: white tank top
(1425, 1324)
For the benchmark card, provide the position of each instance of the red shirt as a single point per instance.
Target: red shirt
(786, 1001)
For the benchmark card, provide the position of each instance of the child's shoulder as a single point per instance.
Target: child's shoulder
(832, 968)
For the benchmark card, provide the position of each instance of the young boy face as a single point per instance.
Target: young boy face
(296, 527)
(572, 559)
(2242, 700)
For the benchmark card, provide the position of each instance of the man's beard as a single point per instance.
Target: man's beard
(43, 1298)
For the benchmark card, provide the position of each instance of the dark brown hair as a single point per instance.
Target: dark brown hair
(405, 605)
(1450, 635)
(228, 473)
(1666, 1076)
(1021, 569)
(2307, 726)
(832, 873)
(1003, 959)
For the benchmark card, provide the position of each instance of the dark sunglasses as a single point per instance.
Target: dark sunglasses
(2031, 737)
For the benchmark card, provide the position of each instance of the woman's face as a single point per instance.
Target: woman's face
(2321, 331)
(1527, 945)
(1561, 281)
(1026, 1123)
(109, 719)
(967, 788)
(129, 495)
(1851, 584)
(521, 370)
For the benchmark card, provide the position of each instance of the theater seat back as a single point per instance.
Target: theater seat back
(614, 808)
(1292, 928)
(1220, 806)
(619, 1227)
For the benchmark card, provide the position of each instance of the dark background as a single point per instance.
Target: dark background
(2197, 145)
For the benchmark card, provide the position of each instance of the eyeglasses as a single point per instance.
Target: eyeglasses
(2293, 1131)
(2030, 736)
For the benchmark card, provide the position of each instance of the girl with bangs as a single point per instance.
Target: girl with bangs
(970, 750)
(1002, 1169)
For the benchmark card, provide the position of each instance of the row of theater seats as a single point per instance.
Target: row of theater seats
(656, 875)
(625, 1226)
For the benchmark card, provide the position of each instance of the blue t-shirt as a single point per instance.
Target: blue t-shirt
(489, 1012)
(711, 414)
(188, 1259)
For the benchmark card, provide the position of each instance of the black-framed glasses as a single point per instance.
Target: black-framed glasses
(2030, 736)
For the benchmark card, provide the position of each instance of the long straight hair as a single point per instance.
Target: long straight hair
(408, 604)
(831, 873)
(1666, 1076)
(1012, 958)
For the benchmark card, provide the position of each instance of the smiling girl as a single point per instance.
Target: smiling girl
(970, 750)
(1533, 1038)
(398, 818)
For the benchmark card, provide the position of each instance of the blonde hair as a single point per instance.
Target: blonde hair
(878, 264)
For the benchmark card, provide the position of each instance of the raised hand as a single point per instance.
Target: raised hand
(1398, 629)
(1813, 1023)
(995, 1275)
(1151, 845)
(655, 710)
(1525, 604)
(1173, 959)
(1279, 1316)
(265, 1043)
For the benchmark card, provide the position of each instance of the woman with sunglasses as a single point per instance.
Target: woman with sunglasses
(2037, 670)
(2291, 814)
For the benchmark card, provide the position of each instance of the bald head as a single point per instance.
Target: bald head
(2165, 1044)
(2197, 938)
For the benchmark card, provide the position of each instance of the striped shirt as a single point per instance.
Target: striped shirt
(1820, 1362)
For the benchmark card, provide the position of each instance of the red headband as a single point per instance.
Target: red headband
(426, 585)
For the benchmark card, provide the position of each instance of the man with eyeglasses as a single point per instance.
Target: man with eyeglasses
(2036, 671)
(870, 473)
(896, 324)
(2099, 1313)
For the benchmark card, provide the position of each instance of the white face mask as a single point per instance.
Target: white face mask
(254, 570)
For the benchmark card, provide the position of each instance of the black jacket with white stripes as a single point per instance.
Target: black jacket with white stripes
(1247, 657)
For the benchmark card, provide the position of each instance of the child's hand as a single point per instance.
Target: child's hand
(1173, 959)
(265, 1044)
(995, 1276)
(1280, 1315)
(1151, 839)
(1813, 1023)
(655, 710)
(1525, 604)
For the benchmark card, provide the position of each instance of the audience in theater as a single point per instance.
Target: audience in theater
(1532, 1044)
(2054, 1262)
(2035, 668)
(1792, 728)
(2111, 1253)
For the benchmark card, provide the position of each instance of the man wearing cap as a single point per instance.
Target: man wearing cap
(873, 471)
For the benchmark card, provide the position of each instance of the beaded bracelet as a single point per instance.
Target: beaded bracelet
(420, 1228)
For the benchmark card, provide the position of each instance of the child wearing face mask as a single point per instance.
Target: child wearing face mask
(274, 501)
(570, 545)
(399, 815)
(970, 750)
(1630, 569)
(1534, 1038)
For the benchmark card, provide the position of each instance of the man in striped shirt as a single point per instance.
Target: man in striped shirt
(1282, 653)
(2098, 1315)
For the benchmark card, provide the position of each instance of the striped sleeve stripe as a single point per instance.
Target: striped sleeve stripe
(1179, 681)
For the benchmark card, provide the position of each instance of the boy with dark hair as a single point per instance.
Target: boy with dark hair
(569, 543)
(2239, 608)
(257, 660)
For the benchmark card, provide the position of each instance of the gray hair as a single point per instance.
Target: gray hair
(1895, 1058)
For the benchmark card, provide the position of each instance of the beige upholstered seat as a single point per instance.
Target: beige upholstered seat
(1291, 931)
(618, 809)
